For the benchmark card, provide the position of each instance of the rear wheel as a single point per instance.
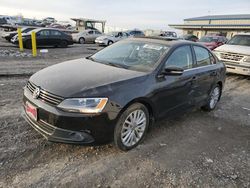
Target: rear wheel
(81, 40)
(63, 44)
(131, 127)
(213, 98)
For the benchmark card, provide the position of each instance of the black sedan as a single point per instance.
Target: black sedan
(9, 35)
(46, 37)
(118, 92)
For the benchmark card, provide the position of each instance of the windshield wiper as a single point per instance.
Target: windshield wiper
(117, 65)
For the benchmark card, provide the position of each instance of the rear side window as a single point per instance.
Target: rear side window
(91, 32)
(203, 56)
(181, 57)
(44, 33)
(55, 33)
(97, 32)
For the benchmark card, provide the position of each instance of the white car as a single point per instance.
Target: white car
(85, 36)
(111, 38)
(236, 54)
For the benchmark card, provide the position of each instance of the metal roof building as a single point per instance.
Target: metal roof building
(226, 25)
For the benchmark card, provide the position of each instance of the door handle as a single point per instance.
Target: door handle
(193, 80)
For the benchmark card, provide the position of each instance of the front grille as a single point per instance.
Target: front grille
(233, 57)
(44, 95)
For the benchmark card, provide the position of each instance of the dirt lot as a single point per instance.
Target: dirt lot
(199, 149)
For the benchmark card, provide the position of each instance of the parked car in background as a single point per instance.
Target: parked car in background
(8, 35)
(190, 37)
(212, 41)
(48, 20)
(46, 37)
(111, 38)
(236, 54)
(135, 33)
(115, 94)
(170, 34)
(86, 36)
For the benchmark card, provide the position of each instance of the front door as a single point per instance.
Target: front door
(173, 94)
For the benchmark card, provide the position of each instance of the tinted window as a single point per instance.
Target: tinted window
(91, 32)
(97, 32)
(55, 33)
(181, 57)
(202, 56)
(44, 33)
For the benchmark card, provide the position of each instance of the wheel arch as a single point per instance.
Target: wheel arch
(221, 87)
(146, 102)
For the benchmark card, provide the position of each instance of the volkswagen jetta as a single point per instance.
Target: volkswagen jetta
(115, 94)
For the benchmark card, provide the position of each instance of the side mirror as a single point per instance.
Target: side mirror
(173, 71)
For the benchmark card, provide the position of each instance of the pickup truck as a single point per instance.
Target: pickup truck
(236, 54)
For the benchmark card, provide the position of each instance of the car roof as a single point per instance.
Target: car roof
(45, 28)
(163, 41)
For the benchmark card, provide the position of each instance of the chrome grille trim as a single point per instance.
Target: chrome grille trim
(233, 57)
(44, 95)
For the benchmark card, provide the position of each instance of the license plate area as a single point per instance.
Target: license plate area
(31, 111)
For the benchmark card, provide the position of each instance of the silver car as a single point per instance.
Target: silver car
(86, 36)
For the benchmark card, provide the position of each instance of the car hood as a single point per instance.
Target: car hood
(71, 78)
(207, 43)
(234, 49)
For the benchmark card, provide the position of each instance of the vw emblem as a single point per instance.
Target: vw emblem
(36, 93)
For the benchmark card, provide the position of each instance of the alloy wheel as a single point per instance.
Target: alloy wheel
(133, 128)
(214, 98)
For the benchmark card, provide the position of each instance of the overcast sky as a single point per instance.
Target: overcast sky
(143, 14)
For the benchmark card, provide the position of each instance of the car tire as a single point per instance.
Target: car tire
(81, 40)
(28, 44)
(131, 127)
(110, 42)
(213, 99)
(64, 44)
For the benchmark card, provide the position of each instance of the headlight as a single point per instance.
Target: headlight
(83, 105)
(246, 59)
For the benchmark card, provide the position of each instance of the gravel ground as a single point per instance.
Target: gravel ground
(198, 149)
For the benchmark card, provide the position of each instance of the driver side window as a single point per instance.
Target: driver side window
(181, 57)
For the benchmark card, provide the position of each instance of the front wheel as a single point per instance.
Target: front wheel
(110, 42)
(131, 127)
(214, 97)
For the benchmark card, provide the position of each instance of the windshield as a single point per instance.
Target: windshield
(243, 40)
(209, 39)
(133, 55)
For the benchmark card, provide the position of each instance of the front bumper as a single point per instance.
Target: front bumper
(55, 134)
(59, 126)
(101, 42)
(237, 69)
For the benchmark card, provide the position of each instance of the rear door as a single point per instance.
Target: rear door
(55, 37)
(205, 73)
